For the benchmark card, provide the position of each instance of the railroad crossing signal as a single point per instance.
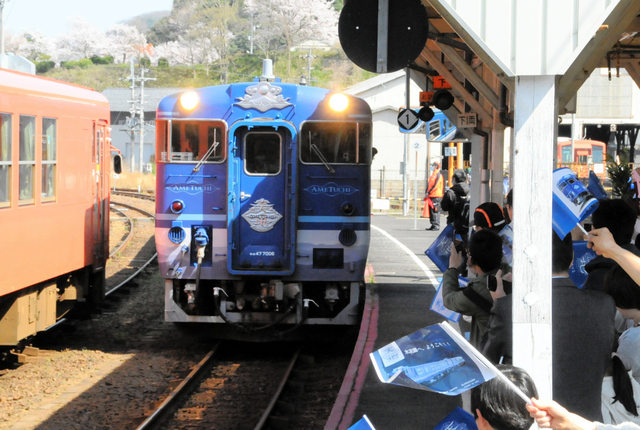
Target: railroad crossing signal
(408, 119)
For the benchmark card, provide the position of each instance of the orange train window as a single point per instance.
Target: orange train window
(5, 159)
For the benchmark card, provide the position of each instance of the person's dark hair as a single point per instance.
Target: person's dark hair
(510, 197)
(485, 250)
(624, 290)
(500, 405)
(618, 216)
(622, 386)
(459, 176)
(561, 253)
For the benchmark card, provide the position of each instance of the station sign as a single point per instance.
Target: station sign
(426, 96)
(467, 120)
(450, 151)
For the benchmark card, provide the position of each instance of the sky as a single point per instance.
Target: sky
(50, 16)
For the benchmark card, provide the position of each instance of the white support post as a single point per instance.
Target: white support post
(535, 121)
(476, 172)
(497, 160)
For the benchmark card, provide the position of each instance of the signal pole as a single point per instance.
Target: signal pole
(309, 68)
(142, 80)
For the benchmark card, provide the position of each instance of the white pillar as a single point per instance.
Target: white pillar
(476, 164)
(497, 160)
(535, 121)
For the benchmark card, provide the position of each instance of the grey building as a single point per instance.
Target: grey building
(121, 137)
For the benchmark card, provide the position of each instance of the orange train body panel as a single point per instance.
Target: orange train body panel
(64, 228)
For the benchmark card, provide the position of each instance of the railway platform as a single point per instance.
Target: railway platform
(401, 284)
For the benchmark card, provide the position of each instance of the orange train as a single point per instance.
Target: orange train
(587, 155)
(54, 201)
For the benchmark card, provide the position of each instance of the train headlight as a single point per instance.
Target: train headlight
(177, 206)
(189, 100)
(338, 102)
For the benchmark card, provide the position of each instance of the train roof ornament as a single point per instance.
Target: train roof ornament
(263, 97)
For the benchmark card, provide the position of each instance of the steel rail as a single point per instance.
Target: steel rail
(276, 396)
(134, 194)
(129, 235)
(186, 387)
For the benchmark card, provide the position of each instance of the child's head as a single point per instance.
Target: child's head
(625, 292)
(496, 405)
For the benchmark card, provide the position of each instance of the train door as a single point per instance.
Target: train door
(262, 184)
(98, 210)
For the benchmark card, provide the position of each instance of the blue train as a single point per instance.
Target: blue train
(263, 206)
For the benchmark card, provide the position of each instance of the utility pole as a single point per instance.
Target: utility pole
(131, 124)
(309, 68)
(2, 2)
(142, 80)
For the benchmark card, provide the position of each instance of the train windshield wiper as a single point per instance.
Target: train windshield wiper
(206, 155)
(321, 157)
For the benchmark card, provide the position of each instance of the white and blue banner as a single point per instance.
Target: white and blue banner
(440, 250)
(362, 424)
(572, 202)
(459, 419)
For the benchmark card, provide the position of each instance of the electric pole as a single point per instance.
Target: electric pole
(142, 80)
(2, 2)
(309, 68)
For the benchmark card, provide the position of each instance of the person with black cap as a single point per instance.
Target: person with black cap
(433, 195)
(489, 216)
(456, 203)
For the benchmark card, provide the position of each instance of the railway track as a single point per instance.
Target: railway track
(136, 249)
(259, 388)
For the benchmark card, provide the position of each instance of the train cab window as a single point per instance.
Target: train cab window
(27, 159)
(596, 154)
(196, 141)
(49, 136)
(434, 129)
(335, 143)
(5, 159)
(566, 154)
(262, 153)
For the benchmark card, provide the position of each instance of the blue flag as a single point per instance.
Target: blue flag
(459, 419)
(363, 424)
(581, 256)
(572, 202)
(595, 186)
(440, 250)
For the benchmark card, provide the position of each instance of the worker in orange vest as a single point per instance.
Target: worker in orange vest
(433, 195)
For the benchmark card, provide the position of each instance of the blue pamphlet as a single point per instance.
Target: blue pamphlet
(507, 243)
(459, 419)
(440, 250)
(572, 202)
(363, 424)
(581, 256)
(435, 358)
(595, 186)
(437, 304)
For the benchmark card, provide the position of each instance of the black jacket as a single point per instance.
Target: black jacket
(454, 201)
(583, 336)
(599, 266)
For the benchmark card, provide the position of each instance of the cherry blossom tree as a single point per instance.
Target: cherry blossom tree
(297, 20)
(82, 41)
(123, 41)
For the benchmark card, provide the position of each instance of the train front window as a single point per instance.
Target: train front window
(49, 126)
(335, 143)
(27, 163)
(262, 154)
(5, 159)
(596, 154)
(434, 129)
(193, 141)
(566, 154)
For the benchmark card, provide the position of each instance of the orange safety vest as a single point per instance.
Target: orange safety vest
(435, 188)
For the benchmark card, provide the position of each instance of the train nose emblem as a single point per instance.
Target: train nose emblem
(262, 216)
(263, 97)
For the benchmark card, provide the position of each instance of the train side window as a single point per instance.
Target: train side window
(5, 159)
(335, 143)
(566, 154)
(161, 140)
(262, 154)
(434, 129)
(49, 160)
(27, 162)
(195, 140)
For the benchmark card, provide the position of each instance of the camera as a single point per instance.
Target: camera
(492, 284)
